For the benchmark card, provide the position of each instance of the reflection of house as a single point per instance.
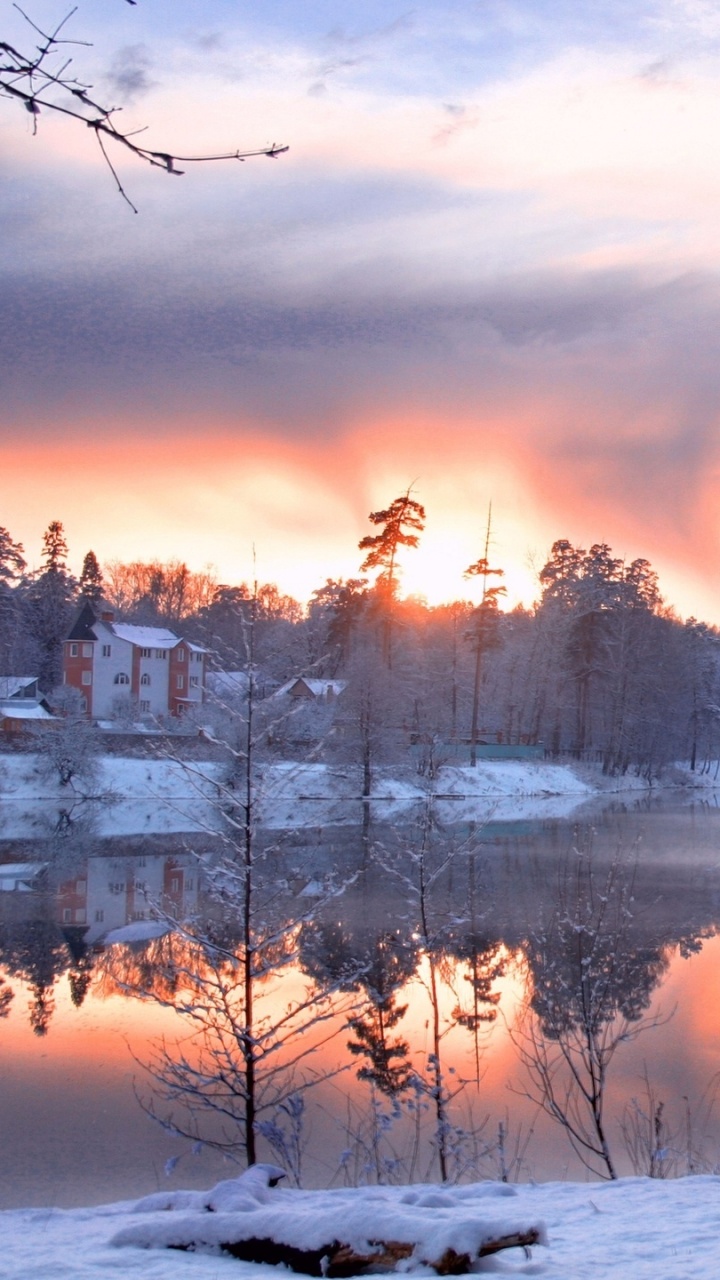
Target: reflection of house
(122, 890)
(22, 877)
(22, 706)
(313, 690)
(115, 665)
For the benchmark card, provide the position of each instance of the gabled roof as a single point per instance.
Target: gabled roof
(82, 628)
(227, 682)
(13, 686)
(318, 688)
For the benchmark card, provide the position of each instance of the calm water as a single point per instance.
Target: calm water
(73, 1042)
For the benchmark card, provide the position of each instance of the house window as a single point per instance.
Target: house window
(144, 706)
(87, 651)
(80, 915)
(107, 650)
(86, 677)
(161, 653)
(181, 655)
(73, 650)
(67, 915)
(121, 678)
(83, 705)
(80, 886)
(179, 682)
(194, 682)
(145, 679)
(146, 653)
(99, 916)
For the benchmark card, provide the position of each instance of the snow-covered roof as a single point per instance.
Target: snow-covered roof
(27, 710)
(144, 637)
(138, 931)
(10, 686)
(18, 877)
(318, 688)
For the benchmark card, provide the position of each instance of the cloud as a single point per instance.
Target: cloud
(129, 73)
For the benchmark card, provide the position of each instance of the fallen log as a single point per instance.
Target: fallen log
(338, 1261)
(336, 1233)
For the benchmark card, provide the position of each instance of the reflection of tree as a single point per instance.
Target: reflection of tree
(7, 995)
(486, 959)
(35, 952)
(486, 962)
(421, 869)
(590, 988)
(387, 966)
(376, 966)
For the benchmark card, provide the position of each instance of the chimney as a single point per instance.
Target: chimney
(107, 615)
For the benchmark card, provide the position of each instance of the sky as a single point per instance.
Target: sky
(487, 268)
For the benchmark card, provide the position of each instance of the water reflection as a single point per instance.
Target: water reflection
(398, 983)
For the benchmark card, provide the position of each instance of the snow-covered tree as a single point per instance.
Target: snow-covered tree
(50, 600)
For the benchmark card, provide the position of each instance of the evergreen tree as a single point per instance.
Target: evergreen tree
(92, 587)
(399, 520)
(50, 603)
(12, 568)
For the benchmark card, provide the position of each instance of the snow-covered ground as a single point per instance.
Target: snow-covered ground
(156, 796)
(637, 1227)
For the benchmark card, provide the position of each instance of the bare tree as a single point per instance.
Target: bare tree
(42, 79)
(246, 1058)
(402, 516)
(483, 632)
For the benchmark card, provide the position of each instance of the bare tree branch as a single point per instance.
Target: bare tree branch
(42, 80)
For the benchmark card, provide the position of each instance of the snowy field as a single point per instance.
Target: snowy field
(639, 1228)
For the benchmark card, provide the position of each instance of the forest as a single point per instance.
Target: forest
(600, 669)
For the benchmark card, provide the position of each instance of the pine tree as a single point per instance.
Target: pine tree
(50, 602)
(403, 515)
(92, 586)
(12, 567)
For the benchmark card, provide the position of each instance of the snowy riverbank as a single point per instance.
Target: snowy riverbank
(601, 1231)
(149, 795)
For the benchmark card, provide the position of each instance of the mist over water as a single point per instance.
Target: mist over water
(73, 1042)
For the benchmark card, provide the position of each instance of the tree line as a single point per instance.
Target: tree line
(600, 668)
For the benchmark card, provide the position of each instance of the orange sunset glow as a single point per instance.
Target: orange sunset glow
(211, 498)
(486, 268)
